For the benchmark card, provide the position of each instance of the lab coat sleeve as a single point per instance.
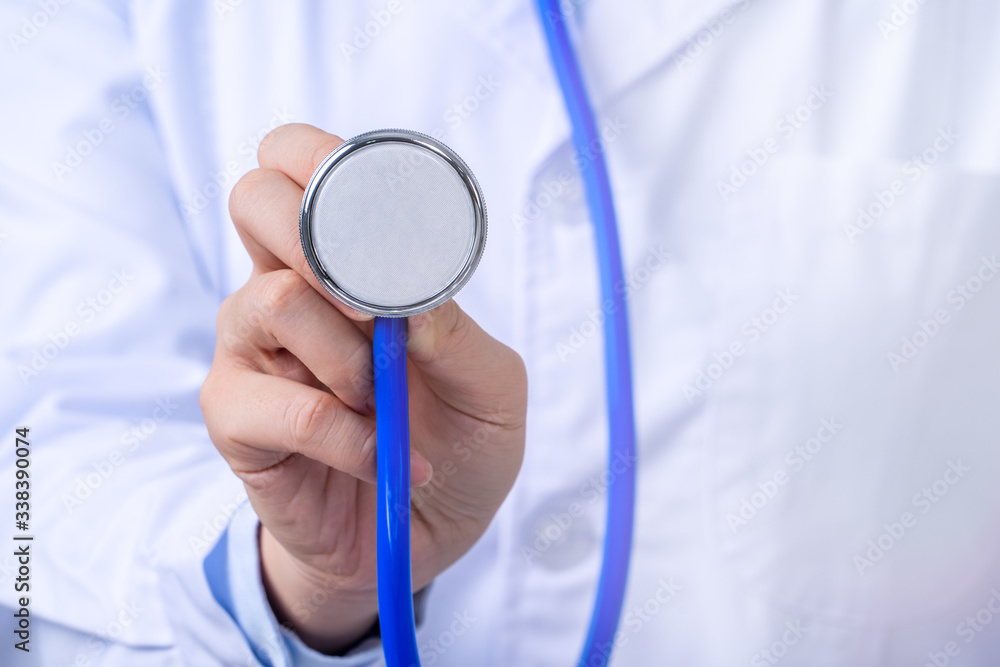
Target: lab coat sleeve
(109, 308)
(232, 570)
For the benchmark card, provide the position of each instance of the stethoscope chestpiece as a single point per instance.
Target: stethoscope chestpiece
(393, 223)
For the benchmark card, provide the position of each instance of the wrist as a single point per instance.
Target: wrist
(327, 616)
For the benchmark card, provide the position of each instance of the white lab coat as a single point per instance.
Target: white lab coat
(808, 195)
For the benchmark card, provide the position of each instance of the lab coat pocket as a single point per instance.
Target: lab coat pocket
(854, 405)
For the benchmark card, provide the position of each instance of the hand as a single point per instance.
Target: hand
(289, 403)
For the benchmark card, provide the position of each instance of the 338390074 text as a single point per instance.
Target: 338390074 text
(23, 540)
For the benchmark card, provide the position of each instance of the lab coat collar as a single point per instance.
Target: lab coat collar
(661, 34)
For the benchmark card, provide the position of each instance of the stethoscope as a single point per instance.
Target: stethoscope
(393, 223)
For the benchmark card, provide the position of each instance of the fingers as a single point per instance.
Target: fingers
(296, 150)
(469, 369)
(279, 311)
(265, 203)
(265, 207)
(256, 420)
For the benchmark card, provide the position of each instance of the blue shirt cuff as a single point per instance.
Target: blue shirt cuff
(232, 569)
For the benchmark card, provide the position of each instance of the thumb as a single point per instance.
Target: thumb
(465, 366)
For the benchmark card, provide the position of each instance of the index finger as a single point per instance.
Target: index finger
(265, 203)
(296, 149)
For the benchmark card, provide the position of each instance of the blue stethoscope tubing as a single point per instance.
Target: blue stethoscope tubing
(392, 433)
(617, 351)
(395, 598)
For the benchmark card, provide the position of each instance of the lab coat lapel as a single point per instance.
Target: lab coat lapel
(621, 41)
(661, 34)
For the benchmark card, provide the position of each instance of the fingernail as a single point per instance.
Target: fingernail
(421, 470)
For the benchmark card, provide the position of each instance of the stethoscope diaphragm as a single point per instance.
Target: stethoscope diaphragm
(393, 223)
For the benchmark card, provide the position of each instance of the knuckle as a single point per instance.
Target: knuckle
(276, 290)
(367, 452)
(310, 420)
(457, 328)
(205, 397)
(234, 329)
(225, 314)
(213, 404)
(244, 193)
(318, 422)
(271, 140)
